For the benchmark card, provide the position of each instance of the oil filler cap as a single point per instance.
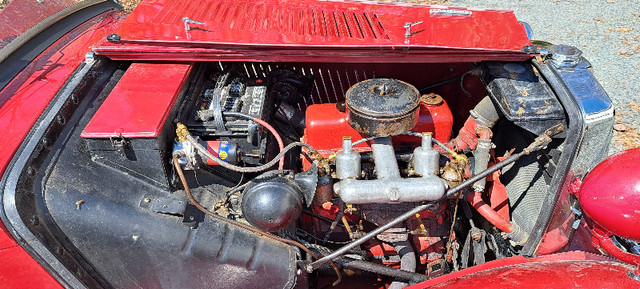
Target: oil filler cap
(382, 106)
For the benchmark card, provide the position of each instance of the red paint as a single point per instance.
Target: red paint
(141, 101)
(498, 197)
(581, 239)
(475, 198)
(467, 138)
(559, 230)
(610, 194)
(563, 270)
(340, 31)
(607, 244)
(326, 125)
(378, 248)
(25, 98)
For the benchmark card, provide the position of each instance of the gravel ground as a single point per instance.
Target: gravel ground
(608, 33)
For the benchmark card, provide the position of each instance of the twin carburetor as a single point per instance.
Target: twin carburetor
(381, 108)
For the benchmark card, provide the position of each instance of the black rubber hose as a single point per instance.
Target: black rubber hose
(410, 277)
(485, 113)
(407, 262)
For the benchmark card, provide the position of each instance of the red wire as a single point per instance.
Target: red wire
(276, 135)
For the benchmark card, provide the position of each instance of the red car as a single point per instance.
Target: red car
(304, 144)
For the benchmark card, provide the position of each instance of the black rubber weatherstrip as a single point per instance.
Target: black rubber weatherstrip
(16, 55)
(9, 212)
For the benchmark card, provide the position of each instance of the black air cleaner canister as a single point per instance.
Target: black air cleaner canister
(382, 106)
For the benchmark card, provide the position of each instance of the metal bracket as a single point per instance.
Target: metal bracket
(188, 21)
(407, 28)
(308, 181)
(118, 141)
(169, 205)
(123, 145)
(192, 216)
(435, 268)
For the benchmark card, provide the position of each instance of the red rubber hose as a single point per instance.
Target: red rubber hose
(475, 199)
(276, 135)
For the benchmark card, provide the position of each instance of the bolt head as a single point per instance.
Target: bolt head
(309, 268)
(393, 194)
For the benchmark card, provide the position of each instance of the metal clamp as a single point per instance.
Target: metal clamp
(188, 21)
(118, 141)
(407, 28)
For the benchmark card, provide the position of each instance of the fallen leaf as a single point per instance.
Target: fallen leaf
(599, 19)
(611, 1)
(620, 127)
(622, 30)
(627, 139)
(625, 53)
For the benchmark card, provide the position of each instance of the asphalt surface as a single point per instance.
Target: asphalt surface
(607, 32)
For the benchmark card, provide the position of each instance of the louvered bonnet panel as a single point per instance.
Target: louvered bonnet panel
(217, 27)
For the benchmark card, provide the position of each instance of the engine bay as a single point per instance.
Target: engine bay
(404, 172)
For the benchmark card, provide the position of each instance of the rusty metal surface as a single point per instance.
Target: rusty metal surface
(382, 106)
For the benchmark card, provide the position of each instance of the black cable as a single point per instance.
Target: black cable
(257, 169)
(320, 217)
(335, 222)
(431, 86)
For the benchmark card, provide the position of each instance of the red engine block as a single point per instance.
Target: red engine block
(326, 125)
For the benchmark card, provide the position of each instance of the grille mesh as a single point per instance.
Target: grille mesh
(330, 84)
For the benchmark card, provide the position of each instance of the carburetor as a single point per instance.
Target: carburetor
(389, 187)
(381, 108)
